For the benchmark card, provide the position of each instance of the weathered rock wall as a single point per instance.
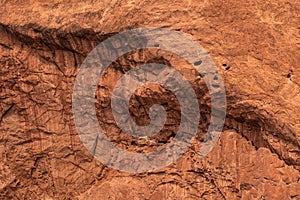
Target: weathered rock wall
(255, 45)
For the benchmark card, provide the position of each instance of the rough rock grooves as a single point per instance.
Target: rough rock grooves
(256, 46)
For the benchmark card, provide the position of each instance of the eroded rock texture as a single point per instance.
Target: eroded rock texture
(255, 45)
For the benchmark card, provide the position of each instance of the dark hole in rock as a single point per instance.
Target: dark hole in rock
(197, 63)
(203, 74)
(216, 85)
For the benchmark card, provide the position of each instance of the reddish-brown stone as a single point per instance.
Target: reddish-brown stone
(255, 45)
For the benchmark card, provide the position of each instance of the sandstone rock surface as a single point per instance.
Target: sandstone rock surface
(256, 46)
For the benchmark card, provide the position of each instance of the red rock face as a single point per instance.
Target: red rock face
(255, 46)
